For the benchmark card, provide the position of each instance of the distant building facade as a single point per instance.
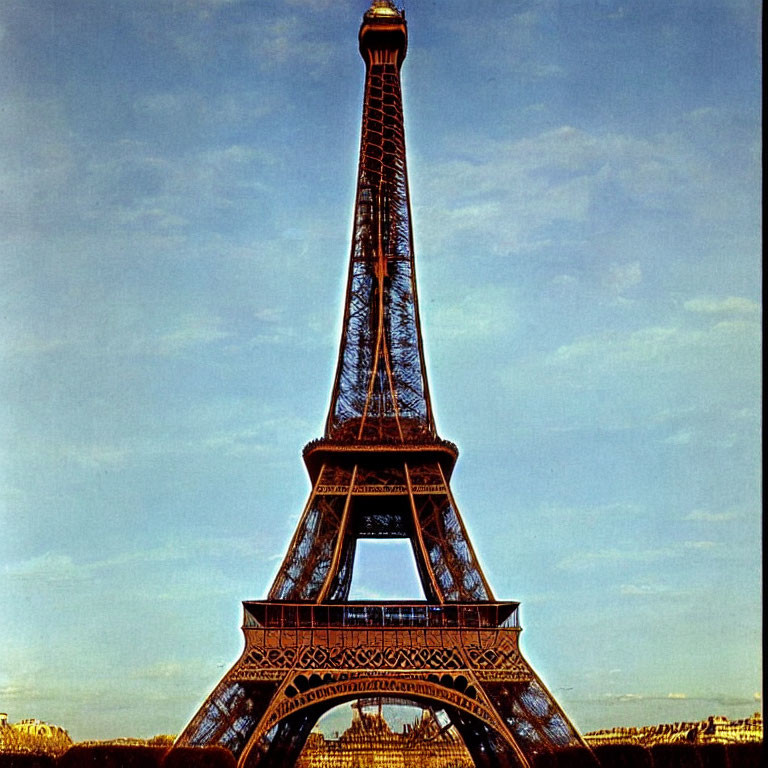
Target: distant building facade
(715, 729)
(32, 735)
(369, 742)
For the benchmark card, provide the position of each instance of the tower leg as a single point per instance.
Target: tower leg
(282, 747)
(486, 747)
(532, 716)
(229, 715)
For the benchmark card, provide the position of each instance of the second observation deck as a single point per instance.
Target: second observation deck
(264, 614)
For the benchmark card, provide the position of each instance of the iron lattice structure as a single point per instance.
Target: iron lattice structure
(381, 471)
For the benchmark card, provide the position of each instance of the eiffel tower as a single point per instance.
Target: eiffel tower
(381, 471)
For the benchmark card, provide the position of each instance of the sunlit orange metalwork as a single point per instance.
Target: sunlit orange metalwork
(381, 471)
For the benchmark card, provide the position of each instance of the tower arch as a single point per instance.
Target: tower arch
(283, 742)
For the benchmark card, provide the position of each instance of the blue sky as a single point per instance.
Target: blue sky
(176, 190)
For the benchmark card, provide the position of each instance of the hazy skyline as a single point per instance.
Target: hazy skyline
(177, 191)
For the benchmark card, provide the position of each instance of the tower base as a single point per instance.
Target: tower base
(300, 660)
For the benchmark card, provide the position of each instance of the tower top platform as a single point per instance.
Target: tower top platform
(382, 8)
(383, 34)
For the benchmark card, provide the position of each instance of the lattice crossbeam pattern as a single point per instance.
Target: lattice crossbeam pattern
(374, 501)
(308, 561)
(450, 557)
(532, 715)
(230, 714)
(381, 385)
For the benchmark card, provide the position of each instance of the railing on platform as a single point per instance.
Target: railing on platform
(278, 615)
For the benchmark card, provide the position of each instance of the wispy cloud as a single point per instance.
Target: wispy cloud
(592, 511)
(49, 568)
(125, 185)
(582, 561)
(168, 670)
(191, 331)
(637, 697)
(730, 305)
(681, 437)
(643, 590)
(313, 5)
(587, 560)
(705, 516)
(663, 365)
(288, 38)
(28, 344)
(482, 312)
(720, 699)
(87, 454)
(620, 277)
(659, 344)
(56, 568)
(559, 175)
(625, 697)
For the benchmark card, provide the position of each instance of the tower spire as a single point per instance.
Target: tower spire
(380, 391)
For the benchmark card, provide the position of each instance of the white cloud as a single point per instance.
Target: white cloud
(642, 590)
(622, 276)
(61, 181)
(54, 569)
(13, 344)
(592, 511)
(226, 442)
(704, 515)
(191, 331)
(93, 455)
(47, 569)
(314, 5)
(545, 70)
(162, 670)
(531, 189)
(673, 346)
(209, 111)
(581, 561)
(486, 311)
(286, 39)
(207, 4)
(625, 696)
(731, 305)
(682, 437)
(511, 188)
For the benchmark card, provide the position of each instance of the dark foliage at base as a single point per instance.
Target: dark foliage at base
(749, 755)
(623, 756)
(26, 760)
(713, 756)
(199, 757)
(111, 756)
(572, 757)
(675, 756)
